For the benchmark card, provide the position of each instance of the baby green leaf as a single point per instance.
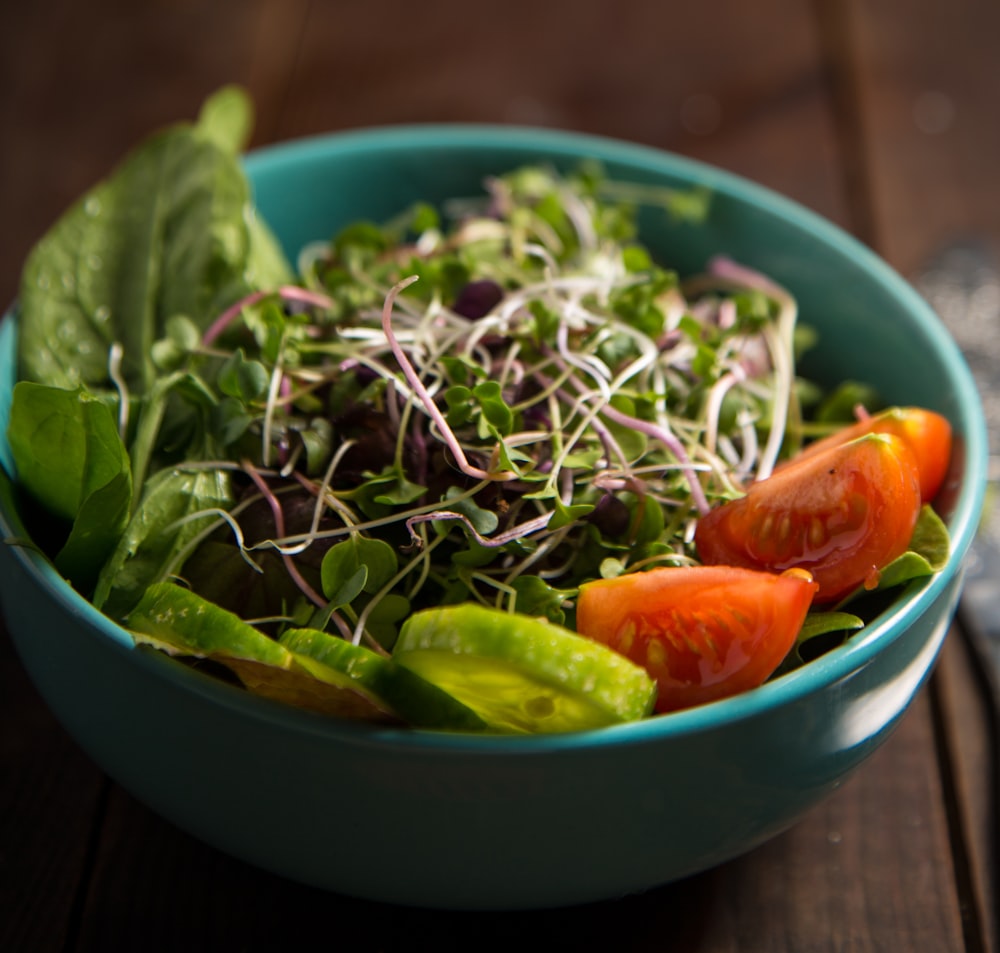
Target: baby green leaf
(350, 588)
(483, 521)
(181, 338)
(815, 626)
(317, 438)
(840, 405)
(927, 554)
(546, 321)
(930, 539)
(229, 421)
(170, 232)
(507, 458)
(474, 555)
(495, 408)
(635, 258)
(459, 368)
(342, 575)
(98, 525)
(356, 565)
(245, 379)
(69, 456)
(385, 617)
(156, 535)
(585, 459)
(226, 118)
(380, 558)
(647, 521)
(394, 489)
(65, 445)
(564, 514)
(458, 397)
(535, 597)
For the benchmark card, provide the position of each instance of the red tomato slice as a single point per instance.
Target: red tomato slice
(842, 513)
(926, 433)
(702, 632)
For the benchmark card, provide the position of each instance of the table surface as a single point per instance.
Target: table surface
(879, 114)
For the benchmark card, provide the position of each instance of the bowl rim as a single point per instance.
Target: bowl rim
(836, 665)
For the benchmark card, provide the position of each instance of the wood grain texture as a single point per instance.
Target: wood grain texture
(968, 754)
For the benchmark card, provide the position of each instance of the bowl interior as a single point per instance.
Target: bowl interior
(872, 326)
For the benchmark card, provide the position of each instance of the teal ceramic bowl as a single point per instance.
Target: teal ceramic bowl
(457, 821)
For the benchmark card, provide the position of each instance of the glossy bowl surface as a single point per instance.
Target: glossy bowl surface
(471, 822)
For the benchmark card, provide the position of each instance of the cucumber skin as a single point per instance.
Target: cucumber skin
(549, 652)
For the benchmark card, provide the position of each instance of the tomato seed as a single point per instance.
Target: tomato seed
(816, 533)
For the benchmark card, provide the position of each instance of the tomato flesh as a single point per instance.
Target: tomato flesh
(702, 632)
(842, 513)
(925, 432)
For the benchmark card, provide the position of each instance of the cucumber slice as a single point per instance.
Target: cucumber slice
(414, 699)
(179, 622)
(522, 674)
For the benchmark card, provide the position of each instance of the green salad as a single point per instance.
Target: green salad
(383, 481)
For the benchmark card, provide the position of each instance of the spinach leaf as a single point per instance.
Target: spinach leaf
(65, 445)
(927, 554)
(69, 456)
(818, 625)
(170, 232)
(95, 533)
(226, 118)
(157, 534)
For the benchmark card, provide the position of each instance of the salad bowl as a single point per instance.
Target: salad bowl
(464, 821)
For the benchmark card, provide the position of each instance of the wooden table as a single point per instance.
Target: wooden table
(880, 114)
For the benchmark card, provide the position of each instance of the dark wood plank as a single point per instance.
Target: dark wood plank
(969, 753)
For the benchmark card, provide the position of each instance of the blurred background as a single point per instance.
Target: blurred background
(876, 113)
(883, 115)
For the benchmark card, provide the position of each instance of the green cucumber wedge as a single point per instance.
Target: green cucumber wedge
(415, 700)
(522, 674)
(179, 622)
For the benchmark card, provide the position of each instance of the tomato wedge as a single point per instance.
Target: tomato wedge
(842, 513)
(925, 432)
(702, 632)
